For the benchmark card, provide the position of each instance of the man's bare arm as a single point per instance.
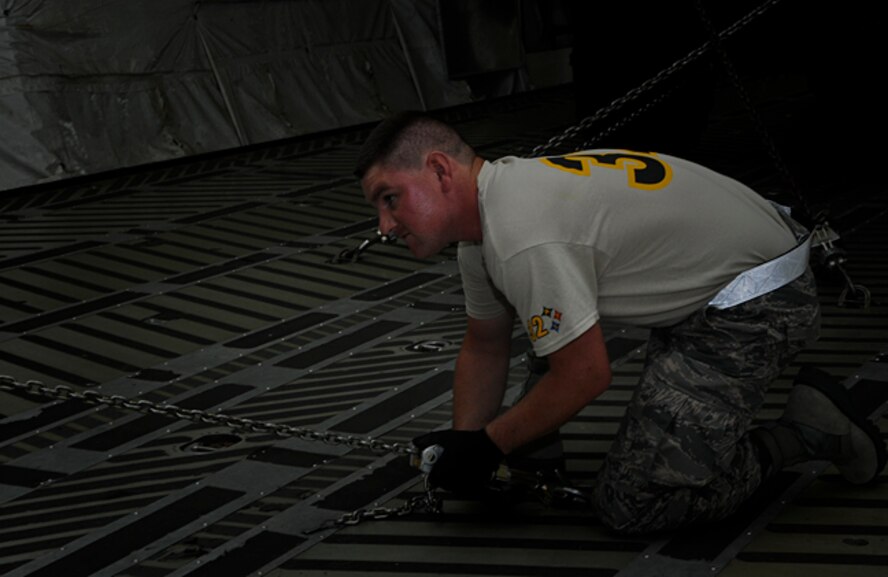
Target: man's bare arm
(578, 373)
(481, 372)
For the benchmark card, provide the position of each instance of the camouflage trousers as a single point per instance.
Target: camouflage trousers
(682, 454)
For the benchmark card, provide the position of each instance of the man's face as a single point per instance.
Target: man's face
(410, 205)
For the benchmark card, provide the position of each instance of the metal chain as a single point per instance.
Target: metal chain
(428, 502)
(751, 109)
(90, 396)
(507, 483)
(556, 141)
(833, 257)
(625, 119)
(351, 255)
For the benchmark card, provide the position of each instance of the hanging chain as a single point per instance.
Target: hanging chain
(751, 109)
(625, 119)
(824, 236)
(556, 141)
(92, 397)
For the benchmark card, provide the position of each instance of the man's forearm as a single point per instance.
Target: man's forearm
(550, 404)
(578, 373)
(479, 383)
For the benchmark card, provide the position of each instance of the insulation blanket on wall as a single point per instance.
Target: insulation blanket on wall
(93, 85)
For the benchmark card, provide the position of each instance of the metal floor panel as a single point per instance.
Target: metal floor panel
(211, 285)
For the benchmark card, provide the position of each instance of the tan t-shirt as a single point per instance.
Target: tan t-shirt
(638, 238)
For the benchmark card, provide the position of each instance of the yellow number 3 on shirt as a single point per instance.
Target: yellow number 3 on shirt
(645, 171)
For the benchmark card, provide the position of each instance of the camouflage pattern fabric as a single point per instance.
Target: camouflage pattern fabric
(682, 454)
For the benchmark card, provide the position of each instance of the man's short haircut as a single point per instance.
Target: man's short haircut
(401, 141)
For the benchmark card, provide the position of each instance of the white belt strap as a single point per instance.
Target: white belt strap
(770, 275)
(764, 278)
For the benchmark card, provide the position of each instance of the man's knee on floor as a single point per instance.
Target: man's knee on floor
(637, 513)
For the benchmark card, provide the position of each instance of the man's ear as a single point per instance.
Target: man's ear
(442, 165)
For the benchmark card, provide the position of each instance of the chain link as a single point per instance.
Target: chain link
(554, 143)
(93, 397)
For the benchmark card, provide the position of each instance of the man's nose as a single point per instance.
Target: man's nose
(386, 223)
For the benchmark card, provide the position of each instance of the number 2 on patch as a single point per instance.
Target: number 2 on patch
(536, 328)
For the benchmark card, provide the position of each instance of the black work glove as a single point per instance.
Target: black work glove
(467, 463)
